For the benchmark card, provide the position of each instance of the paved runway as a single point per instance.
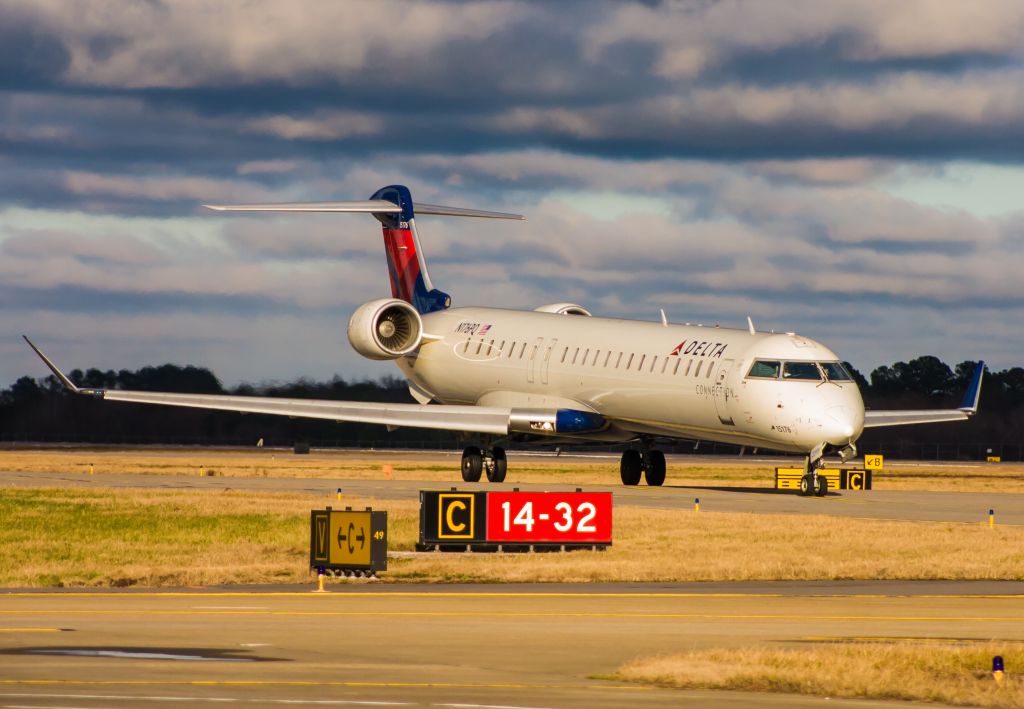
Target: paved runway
(450, 646)
(874, 504)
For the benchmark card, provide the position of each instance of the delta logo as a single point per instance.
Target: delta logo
(699, 348)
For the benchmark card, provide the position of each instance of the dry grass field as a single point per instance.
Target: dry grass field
(444, 467)
(951, 674)
(132, 537)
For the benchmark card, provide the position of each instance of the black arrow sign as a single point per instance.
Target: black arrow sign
(362, 538)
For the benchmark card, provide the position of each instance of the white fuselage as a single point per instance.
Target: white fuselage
(648, 378)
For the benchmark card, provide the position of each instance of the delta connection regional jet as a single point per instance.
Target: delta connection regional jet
(557, 374)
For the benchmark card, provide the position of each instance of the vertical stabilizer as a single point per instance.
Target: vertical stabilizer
(407, 267)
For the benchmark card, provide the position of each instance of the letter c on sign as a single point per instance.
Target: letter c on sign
(449, 518)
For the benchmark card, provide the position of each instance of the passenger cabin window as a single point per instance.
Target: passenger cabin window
(676, 369)
(711, 368)
(696, 372)
(836, 372)
(765, 369)
(802, 371)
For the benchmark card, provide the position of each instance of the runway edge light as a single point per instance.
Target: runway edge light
(992, 518)
(997, 669)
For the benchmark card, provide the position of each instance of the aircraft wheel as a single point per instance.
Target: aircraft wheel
(655, 472)
(807, 485)
(498, 467)
(821, 488)
(631, 467)
(472, 464)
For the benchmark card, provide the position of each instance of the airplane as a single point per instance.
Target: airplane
(560, 375)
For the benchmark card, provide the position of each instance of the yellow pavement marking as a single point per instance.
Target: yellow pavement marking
(482, 594)
(511, 614)
(30, 630)
(313, 683)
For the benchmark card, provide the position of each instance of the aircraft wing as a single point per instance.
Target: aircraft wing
(968, 407)
(475, 419)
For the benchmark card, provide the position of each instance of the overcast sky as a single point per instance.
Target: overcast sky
(853, 171)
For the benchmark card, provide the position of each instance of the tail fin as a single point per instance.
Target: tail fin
(407, 267)
(394, 209)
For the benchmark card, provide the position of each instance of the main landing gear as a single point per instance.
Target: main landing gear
(492, 461)
(650, 463)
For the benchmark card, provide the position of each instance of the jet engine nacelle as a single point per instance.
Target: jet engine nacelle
(385, 329)
(564, 309)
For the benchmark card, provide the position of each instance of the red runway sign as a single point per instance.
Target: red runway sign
(557, 517)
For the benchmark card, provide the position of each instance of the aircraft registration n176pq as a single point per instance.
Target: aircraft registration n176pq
(557, 374)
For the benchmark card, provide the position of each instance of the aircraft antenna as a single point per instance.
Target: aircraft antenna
(750, 326)
(664, 320)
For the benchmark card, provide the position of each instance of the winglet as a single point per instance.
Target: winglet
(70, 385)
(970, 403)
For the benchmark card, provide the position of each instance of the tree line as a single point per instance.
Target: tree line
(41, 410)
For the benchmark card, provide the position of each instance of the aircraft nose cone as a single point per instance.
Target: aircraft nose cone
(843, 419)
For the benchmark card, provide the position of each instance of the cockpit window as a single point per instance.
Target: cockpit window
(765, 368)
(803, 371)
(836, 372)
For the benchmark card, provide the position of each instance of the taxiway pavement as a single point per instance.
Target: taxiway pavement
(450, 646)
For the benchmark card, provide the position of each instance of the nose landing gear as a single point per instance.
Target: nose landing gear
(650, 464)
(812, 483)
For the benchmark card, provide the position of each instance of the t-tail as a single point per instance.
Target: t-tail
(394, 209)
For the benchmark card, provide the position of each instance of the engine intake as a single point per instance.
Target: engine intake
(564, 309)
(385, 329)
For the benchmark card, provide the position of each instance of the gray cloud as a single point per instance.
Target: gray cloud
(713, 158)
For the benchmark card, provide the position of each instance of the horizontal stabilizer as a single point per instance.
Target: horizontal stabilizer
(365, 205)
(371, 206)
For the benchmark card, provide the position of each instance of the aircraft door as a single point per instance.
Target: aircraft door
(547, 361)
(533, 362)
(723, 394)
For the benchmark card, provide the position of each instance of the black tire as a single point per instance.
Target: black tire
(631, 467)
(472, 464)
(655, 473)
(821, 489)
(497, 472)
(807, 485)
